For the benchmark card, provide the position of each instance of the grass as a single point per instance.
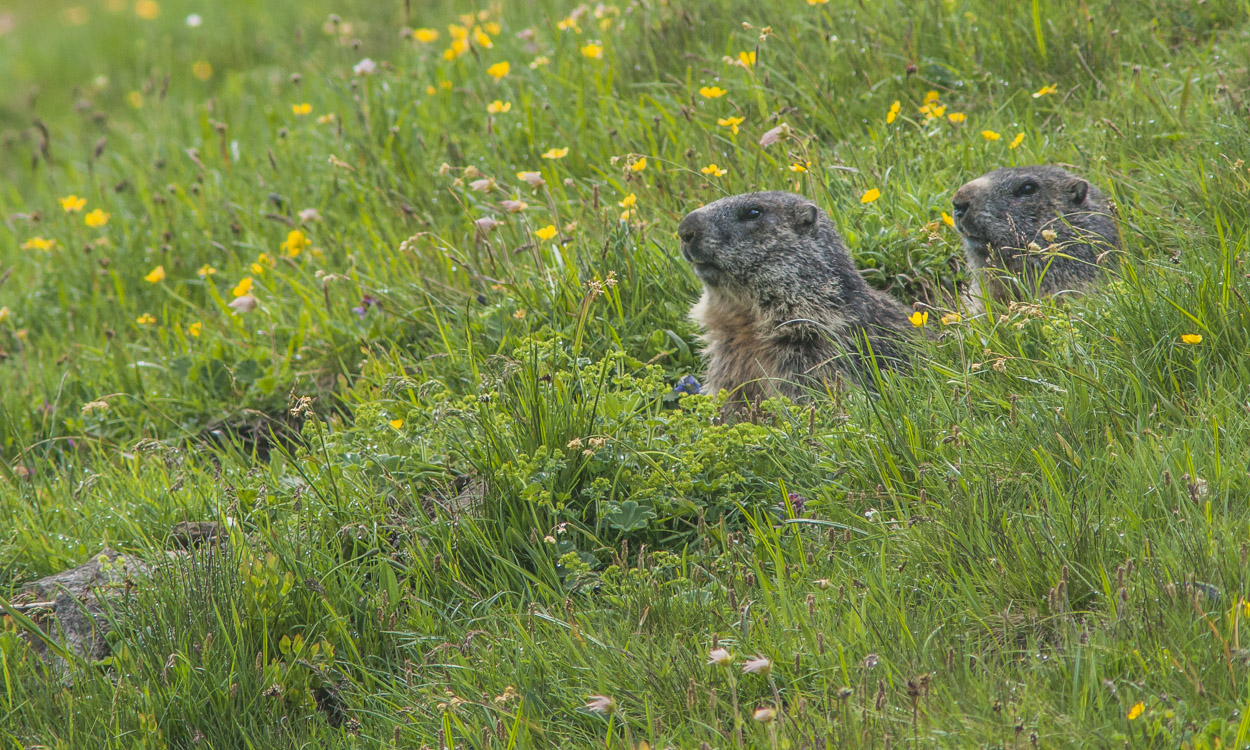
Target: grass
(462, 495)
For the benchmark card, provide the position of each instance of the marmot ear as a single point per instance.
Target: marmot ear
(1078, 189)
(806, 216)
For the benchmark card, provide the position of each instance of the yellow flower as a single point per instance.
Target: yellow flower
(492, 28)
(730, 122)
(425, 36)
(892, 115)
(556, 153)
(931, 96)
(1016, 141)
(430, 90)
(990, 135)
(937, 110)
(482, 39)
(295, 242)
(499, 70)
(747, 59)
(96, 218)
(951, 319)
(147, 9)
(1192, 338)
(156, 275)
(817, 2)
(498, 107)
(206, 271)
(301, 109)
(593, 51)
(638, 165)
(134, 99)
(630, 201)
(72, 203)
(1136, 710)
(713, 170)
(957, 117)
(870, 196)
(712, 92)
(195, 328)
(457, 32)
(947, 219)
(38, 243)
(539, 62)
(1043, 91)
(918, 319)
(797, 167)
(325, 119)
(564, 24)
(397, 423)
(628, 214)
(458, 47)
(202, 69)
(546, 232)
(5, 314)
(519, 314)
(243, 287)
(145, 319)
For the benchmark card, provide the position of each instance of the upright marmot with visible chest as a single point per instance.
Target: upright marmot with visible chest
(784, 306)
(1032, 230)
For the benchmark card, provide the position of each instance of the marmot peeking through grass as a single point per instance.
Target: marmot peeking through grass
(1032, 229)
(783, 305)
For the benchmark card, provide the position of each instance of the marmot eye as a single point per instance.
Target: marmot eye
(750, 214)
(1027, 188)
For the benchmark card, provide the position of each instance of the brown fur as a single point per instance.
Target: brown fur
(784, 308)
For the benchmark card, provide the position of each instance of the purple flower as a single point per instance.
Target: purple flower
(366, 302)
(798, 502)
(688, 384)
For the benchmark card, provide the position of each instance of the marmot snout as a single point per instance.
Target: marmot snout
(1033, 229)
(783, 304)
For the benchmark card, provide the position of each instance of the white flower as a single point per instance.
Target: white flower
(364, 67)
(601, 704)
(483, 185)
(487, 223)
(765, 715)
(760, 664)
(720, 657)
(194, 20)
(244, 304)
(309, 214)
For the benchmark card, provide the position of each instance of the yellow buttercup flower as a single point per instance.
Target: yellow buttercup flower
(957, 117)
(202, 70)
(593, 51)
(482, 39)
(1136, 710)
(499, 70)
(425, 36)
(38, 243)
(918, 318)
(293, 245)
(556, 153)
(498, 107)
(870, 196)
(638, 165)
(301, 109)
(205, 271)
(747, 59)
(243, 287)
(630, 201)
(950, 319)
(931, 96)
(1043, 91)
(712, 92)
(546, 232)
(713, 170)
(892, 115)
(147, 9)
(457, 32)
(1015, 142)
(72, 203)
(947, 219)
(96, 218)
(731, 123)
(990, 135)
(145, 319)
(156, 275)
(430, 90)
(567, 24)
(1192, 338)
(817, 2)
(797, 167)
(195, 328)
(397, 423)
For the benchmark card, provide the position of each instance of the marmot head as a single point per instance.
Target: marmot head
(1007, 209)
(776, 248)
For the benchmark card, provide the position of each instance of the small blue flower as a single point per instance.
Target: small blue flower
(688, 384)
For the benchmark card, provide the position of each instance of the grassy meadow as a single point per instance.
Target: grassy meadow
(392, 292)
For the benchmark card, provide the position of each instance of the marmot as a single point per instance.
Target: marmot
(1032, 229)
(783, 304)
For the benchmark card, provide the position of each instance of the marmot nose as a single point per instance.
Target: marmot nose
(961, 208)
(686, 230)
